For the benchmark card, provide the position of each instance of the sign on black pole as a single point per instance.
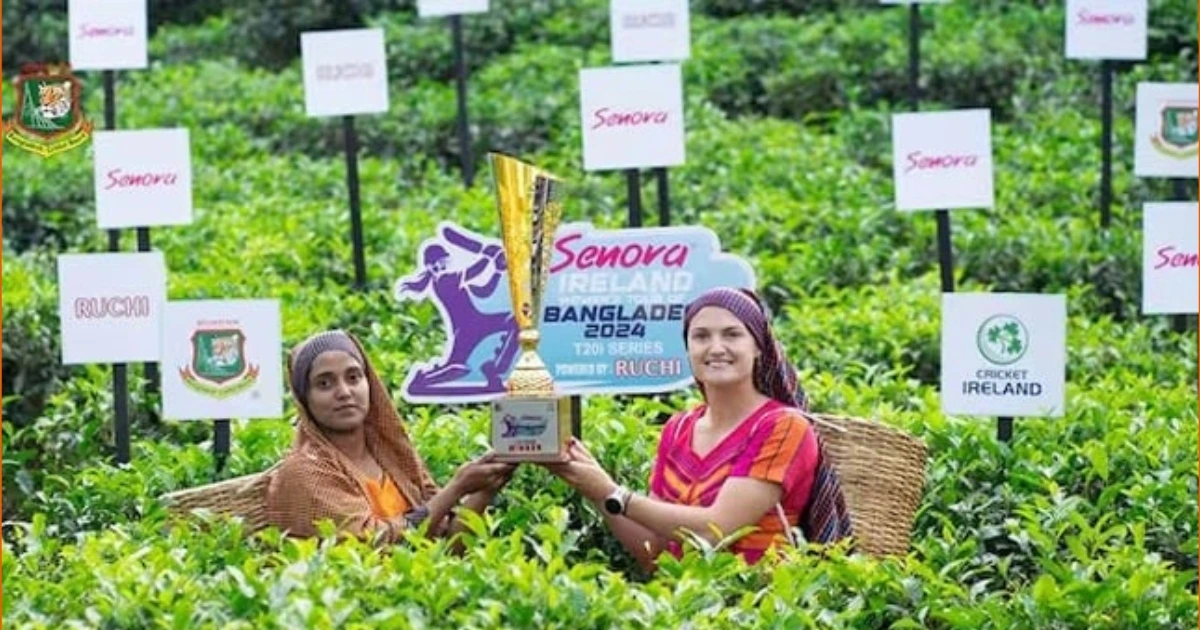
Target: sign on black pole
(941, 160)
(1003, 354)
(455, 9)
(1106, 31)
(121, 44)
(224, 355)
(345, 74)
(110, 308)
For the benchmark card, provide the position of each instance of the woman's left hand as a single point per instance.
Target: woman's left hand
(583, 473)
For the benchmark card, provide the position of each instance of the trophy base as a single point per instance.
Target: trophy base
(531, 429)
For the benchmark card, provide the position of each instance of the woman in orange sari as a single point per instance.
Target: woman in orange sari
(749, 456)
(352, 461)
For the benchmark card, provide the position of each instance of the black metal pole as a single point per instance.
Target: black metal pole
(350, 139)
(1004, 429)
(914, 56)
(120, 376)
(633, 181)
(220, 443)
(460, 73)
(1106, 124)
(663, 186)
(945, 253)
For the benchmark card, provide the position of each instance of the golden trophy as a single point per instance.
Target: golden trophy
(529, 423)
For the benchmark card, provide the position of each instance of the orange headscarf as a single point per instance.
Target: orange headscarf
(316, 481)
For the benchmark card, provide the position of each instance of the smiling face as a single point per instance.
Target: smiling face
(721, 350)
(338, 393)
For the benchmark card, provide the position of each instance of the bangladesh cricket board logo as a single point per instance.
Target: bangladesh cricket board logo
(1177, 127)
(1002, 339)
(219, 367)
(48, 119)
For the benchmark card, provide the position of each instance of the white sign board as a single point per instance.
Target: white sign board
(110, 306)
(438, 8)
(1166, 131)
(943, 160)
(1003, 354)
(221, 359)
(107, 34)
(1169, 255)
(632, 117)
(1106, 29)
(142, 178)
(649, 30)
(345, 72)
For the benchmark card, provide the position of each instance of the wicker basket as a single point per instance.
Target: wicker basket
(243, 497)
(882, 470)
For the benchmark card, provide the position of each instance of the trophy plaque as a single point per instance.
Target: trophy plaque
(529, 422)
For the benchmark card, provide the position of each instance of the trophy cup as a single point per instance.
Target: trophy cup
(529, 423)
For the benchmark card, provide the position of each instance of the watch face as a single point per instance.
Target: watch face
(613, 506)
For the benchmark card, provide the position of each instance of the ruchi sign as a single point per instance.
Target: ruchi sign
(649, 30)
(438, 8)
(1169, 257)
(942, 160)
(632, 117)
(142, 178)
(1003, 354)
(1166, 143)
(1106, 29)
(221, 359)
(107, 34)
(110, 305)
(345, 72)
(611, 321)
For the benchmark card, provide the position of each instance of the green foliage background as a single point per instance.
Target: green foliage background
(1087, 521)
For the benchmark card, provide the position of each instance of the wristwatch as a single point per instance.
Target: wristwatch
(616, 502)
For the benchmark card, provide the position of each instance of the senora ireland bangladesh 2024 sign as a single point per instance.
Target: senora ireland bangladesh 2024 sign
(612, 318)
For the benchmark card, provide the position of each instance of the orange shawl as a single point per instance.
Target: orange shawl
(316, 481)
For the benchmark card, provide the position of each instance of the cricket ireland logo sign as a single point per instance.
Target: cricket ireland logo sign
(1002, 339)
(219, 367)
(1176, 134)
(48, 119)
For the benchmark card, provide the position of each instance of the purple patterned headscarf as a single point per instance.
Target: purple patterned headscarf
(773, 375)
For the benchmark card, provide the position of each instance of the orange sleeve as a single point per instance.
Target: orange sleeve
(779, 450)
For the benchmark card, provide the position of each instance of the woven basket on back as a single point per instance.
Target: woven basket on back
(882, 470)
(244, 497)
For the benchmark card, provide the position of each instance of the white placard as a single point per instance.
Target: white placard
(1106, 29)
(107, 34)
(1003, 354)
(1169, 257)
(142, 178)
(1166, 131)
(221, 359)
(650, 30)
(438, 8)
(632, 117)
(943, 160)
(345, 72)
(110, 306)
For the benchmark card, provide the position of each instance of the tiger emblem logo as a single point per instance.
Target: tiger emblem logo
(48, 118)
(54, 99)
